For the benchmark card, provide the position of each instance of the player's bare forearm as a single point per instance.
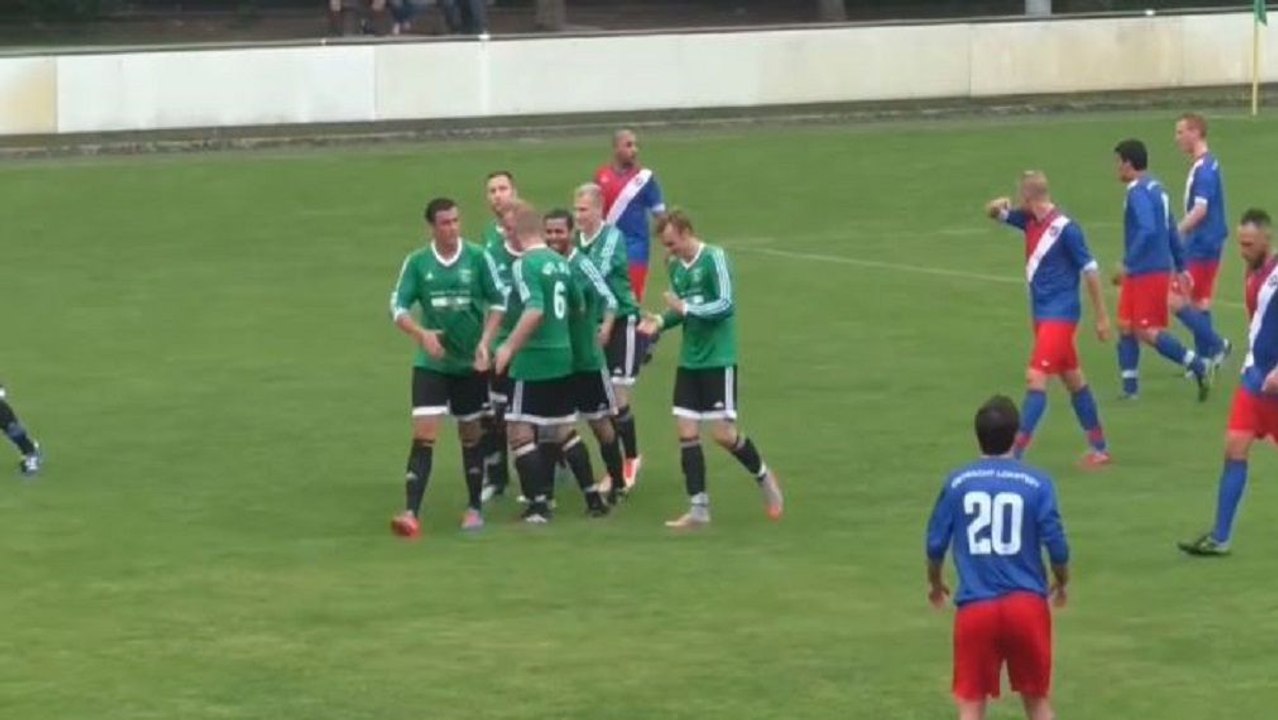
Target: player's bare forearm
(1096, 294)
(934, 572)
(491, 325)
(1192, 219)
(1061, 574)
(524, 329)
(405, 322)
(605, 327)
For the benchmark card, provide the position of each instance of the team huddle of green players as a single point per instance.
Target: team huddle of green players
(540, 328)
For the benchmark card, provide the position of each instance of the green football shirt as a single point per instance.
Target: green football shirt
(584, 320)
(709, 322)
(543, 281)
(503, 258)
(607, 249)
(454, 295)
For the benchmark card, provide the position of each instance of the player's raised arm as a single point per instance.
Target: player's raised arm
(998, 209)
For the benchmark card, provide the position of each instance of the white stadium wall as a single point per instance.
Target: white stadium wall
(76, 93)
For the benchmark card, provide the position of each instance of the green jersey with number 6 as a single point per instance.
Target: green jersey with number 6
(543, 282)
(503, 258)
(454, 295)
(709, 322)
(583, 321)
(607, 249)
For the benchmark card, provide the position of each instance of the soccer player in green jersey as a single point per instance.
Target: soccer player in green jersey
(701, 301)
(538, 357)
(500, 189)
(626, 349)
(455, 287)
(591, 325)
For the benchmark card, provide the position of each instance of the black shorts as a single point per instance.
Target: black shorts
(542, 402)
(465, 397)
(707, 394)
(592, 395)
(625, 350)
(499, 389)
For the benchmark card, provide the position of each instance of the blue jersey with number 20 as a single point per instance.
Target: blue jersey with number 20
(998, 514)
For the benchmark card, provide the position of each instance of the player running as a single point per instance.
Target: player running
(1204, 230)
(1152, 251)
(538, 356)
(1255, 410)
(626, 348)
(706, 382)
(1056, 256)
(998, 515)
(631, 194)
(591, 328)
(455, 285)
(32, 459)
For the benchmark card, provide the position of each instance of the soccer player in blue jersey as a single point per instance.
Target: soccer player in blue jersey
(632, 197)
(1254, 415)
(1151, 252)
(1204, 231)
(1056, 257)
(999, 515)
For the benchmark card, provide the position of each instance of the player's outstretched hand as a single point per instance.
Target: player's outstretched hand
(1103, 330)
(938, 595)
(483, 359)
(501, 363)
(429, 340)
(1060, 598)
(997, 207)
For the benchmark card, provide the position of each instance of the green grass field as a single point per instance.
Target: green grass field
(202, 345)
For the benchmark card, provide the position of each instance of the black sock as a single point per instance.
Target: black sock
(530, 466)
(419, 461)
(578, 459)
(611, 453)
(14, 430)
(625, 422)
(473, 463)
(748, 455)
(693, 461)
(495, 457)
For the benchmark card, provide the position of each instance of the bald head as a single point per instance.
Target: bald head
(625, 148)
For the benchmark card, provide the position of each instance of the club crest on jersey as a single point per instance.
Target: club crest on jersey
(465, 275)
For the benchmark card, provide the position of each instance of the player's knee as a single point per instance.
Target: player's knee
(1035, 379)
(725, 434)
(1237, 445)
(1203, 304)
(520, 434)
(1147, 335)
(1074, 380)
(425, 429)
(469, 432)
(603, 430)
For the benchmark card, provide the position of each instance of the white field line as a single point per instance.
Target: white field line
(753, 247)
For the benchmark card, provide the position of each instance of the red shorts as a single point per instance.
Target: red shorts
(1142, 303)
(1054, 348)
(1255, 415)
(1015, 629)
(638, 278)
(1204, 277)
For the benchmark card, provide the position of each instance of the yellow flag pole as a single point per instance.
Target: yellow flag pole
(1255, 66)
